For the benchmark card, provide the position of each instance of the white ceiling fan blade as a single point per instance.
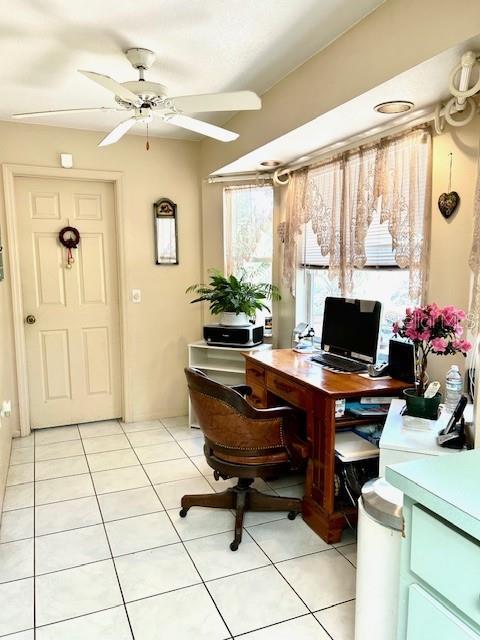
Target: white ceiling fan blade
(36, 114)
(113, 86)
(233, 101)
(205, 128)
(119, 131)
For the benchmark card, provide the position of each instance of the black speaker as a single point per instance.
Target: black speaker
(401, 360)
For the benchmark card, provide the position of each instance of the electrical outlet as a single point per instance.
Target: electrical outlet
(136, 296)
(6, 409)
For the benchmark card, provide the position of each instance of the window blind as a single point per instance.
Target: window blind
(378, 247)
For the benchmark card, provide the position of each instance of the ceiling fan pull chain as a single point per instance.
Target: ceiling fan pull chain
(147, 145)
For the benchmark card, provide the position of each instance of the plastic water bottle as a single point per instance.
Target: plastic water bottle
(453, 388)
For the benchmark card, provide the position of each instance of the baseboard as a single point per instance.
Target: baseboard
(157, 415)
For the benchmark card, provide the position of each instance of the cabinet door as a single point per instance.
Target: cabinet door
(430, 620)
(446, 560)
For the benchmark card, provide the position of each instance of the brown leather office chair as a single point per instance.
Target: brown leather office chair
(245, 443)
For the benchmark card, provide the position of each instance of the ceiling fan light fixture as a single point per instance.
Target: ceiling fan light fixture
(271, 164)
(394, 106)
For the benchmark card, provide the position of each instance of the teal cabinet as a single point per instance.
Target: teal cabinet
(440, 555)
(430, 620)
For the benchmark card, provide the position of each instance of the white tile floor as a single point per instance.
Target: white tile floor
(92, 546)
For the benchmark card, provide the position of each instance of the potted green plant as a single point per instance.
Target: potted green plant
(236, 300)
(432, 330)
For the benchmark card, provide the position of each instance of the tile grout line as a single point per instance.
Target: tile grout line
(275, 624)
(189, 457)
(109, 546)
(188, 553)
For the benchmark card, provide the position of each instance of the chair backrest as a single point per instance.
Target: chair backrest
(229, 422)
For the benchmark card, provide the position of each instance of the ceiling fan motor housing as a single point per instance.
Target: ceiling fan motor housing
(140, 58)
(153, 94)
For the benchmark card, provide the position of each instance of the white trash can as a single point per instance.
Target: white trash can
(378, 561)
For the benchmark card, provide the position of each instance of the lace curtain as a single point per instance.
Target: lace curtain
(403, 180)
(248, 211)
(340, 197)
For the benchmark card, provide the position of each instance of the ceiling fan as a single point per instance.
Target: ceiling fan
(145, 100)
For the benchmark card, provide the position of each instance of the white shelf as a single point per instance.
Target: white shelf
(221, 363)
(209, 367)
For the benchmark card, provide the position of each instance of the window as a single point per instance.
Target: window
(381, 279)
(361, 220)
(248, 234)
(248, 231)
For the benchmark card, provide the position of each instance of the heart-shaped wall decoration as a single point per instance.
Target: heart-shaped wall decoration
(447, 203)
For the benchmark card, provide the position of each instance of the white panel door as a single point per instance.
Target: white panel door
(73, 345)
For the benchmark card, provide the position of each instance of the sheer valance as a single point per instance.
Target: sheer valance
(340, 198)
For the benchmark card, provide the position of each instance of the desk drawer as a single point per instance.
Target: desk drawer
(288, 390)
(258, 397)
(254, 374)
(447, 560)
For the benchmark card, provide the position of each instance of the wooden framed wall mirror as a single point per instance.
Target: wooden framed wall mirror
(166, 233)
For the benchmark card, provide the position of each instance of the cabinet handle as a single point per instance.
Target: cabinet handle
(254, 372)
(284, 387)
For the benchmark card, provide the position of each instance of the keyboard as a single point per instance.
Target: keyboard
(337, 362)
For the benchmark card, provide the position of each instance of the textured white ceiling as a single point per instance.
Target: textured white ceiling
(424, 85)
(203, 46)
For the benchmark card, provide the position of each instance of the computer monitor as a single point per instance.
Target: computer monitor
(350, 328)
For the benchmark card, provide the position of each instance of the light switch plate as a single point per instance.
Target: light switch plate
(136, 296)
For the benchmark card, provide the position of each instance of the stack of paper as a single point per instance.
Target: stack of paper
(349, 447)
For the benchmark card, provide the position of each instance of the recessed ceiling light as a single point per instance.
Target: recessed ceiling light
(271, 163)
(394, 106)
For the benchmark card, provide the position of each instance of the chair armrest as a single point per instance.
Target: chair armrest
(242, 389)
(297, 449)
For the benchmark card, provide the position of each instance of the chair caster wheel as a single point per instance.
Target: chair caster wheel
(233, 546)
(292, 515)
(183, 513)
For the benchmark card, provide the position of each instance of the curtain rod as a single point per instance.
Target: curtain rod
(239, 177)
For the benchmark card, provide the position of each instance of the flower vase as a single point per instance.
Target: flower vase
(421, 407)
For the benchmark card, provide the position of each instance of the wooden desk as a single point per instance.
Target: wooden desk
(287, 375)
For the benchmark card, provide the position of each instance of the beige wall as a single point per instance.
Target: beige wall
(450, 240)
(395, 37)
(161, 326)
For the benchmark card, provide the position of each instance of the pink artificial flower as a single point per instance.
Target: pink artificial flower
(412, 333)
(434, 313)
(452, 316)
(462, 345)
(439, 345)
(424, 335)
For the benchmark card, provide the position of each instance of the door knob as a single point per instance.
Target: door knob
(30, 319)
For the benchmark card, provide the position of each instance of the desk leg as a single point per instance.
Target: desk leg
(319, 496)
